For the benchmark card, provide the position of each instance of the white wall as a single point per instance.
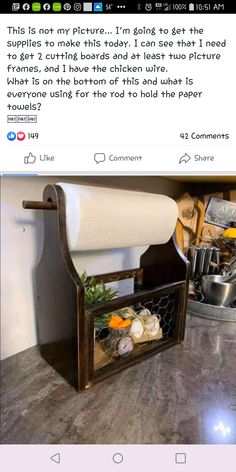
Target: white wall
(22, 243)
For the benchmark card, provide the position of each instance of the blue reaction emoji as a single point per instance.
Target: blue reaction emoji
(11, 136)
(97, 6)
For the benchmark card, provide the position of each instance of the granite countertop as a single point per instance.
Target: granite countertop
(184, 395)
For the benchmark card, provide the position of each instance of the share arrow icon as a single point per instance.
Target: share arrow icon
(56, 458)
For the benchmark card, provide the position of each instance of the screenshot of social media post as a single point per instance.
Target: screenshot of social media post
(118, 236)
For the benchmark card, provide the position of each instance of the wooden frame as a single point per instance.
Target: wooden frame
(65, 324)
(220, 212)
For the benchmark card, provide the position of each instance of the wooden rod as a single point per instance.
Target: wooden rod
(31, 205)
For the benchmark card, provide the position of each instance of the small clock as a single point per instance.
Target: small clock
(125, 346)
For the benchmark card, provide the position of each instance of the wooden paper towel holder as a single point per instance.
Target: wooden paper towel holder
(66, 325)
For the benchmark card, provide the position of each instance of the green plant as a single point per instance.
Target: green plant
(96, 292)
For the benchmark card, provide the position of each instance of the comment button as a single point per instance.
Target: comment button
(99, 157)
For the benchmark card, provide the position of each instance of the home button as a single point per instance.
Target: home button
(117, 458)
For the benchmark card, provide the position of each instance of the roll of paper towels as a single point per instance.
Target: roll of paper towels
(105, 218)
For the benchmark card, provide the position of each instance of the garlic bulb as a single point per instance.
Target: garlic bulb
(145, 312)
(151, 325)
(137, 328)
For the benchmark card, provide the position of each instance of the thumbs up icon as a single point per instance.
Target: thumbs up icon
(30, 159)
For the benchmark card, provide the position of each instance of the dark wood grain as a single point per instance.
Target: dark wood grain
(60, 299)
(136, 274)
(166, 264)
(66, 325)
(141, 296)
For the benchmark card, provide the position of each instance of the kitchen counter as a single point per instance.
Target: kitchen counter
(185, 395)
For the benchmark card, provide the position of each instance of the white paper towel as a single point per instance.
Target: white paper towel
(104, 218)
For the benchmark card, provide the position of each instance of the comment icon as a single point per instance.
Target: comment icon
(99, 157)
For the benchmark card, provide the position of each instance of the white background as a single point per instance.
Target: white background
(73, 130)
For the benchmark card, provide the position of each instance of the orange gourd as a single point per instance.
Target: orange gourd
(116, 322)
(125, 324)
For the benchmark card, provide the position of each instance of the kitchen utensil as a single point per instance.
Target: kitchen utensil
(217, 290)
(230, 277)
(200, 258)
(215, 259)
(208, 257)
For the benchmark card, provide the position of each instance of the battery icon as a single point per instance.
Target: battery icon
(191, 7)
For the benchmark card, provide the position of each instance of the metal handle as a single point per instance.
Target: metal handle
(31, 205)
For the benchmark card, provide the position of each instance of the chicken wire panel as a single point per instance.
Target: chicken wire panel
(166, 307)
(131, 329)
